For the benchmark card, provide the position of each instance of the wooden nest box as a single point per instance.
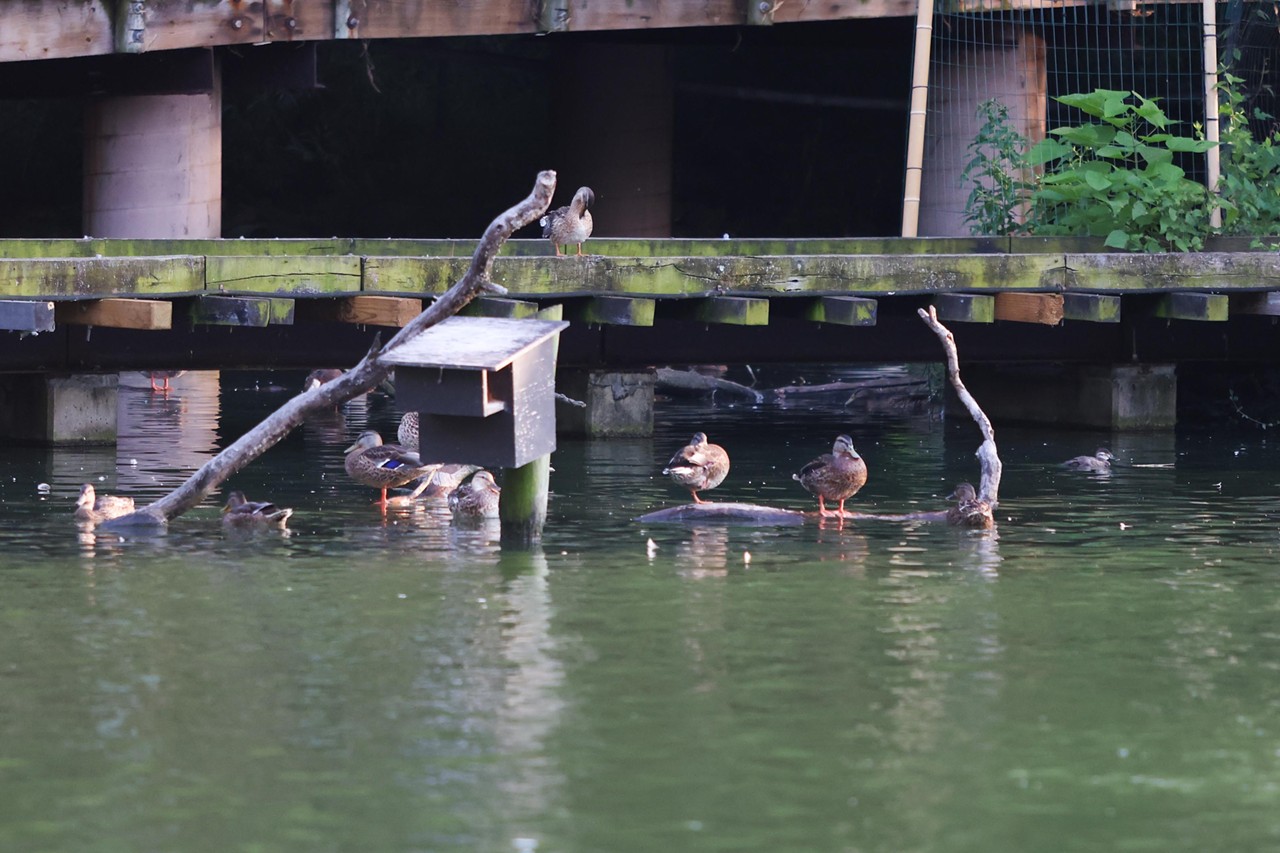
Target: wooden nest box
(484, 389)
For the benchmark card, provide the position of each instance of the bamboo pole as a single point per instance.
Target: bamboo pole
(1212, 156)
(919, 105)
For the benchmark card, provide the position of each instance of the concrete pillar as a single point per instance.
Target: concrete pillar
(78, 409)
(618, 404)
(1115, 397)
(613, 121)
(153, 166)
(1013, 72)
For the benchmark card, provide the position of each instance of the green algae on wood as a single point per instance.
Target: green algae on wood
(284, 274)
(99, 277)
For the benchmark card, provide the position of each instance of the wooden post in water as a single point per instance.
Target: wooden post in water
(522, 509)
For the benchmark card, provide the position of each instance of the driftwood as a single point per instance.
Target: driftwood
(668, 379)
(369, 373)
(977, 513)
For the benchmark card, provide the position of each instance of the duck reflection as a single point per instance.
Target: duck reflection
(705, 553)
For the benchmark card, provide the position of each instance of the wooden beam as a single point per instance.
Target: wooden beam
(1204, 307)
(393, 311)
(842, 310)
(1043, 308)
(283, 273)
(732, 310)
(117, 313)
(615, 311)
(965, 307)
(23, 315)
(1259, 304)
(54, 30)
(1091, 307)
(760, 12)
(487, 306)
(231, 311)
(46, 278)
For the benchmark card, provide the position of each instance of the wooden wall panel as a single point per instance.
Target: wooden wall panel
(53, 29)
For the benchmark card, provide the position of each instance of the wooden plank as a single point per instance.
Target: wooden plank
(26, 315)
(54, 29)
(211, 310)
(733, 310)
(1258, 304)
(760, 12)
(842, 310)
(280, 311)
(283, 274)
(1204, 307)
(615, 311)
(150, 314)
(170, 24)
(88, 277)
(368, 19)
(488, 306)
(1091, 307)
(393, 311)
(965, 307)
(1043, 308)
(1203, 271)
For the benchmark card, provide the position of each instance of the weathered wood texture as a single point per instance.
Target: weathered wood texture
(258, 311)
(63, 277)
(1091, 307)
(965, 307)
(117, 313)
(842, 310)
(1204, 307)
(26, 316)
(1043, 308)
(53, 29)
(488, 306)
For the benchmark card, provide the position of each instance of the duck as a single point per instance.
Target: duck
(477, 498)
(383, 466)
(319, 376)
(969, 511)
(244, 513)
(571, 224)
(698, 466)
(164, 375)
(95, 508)
(407, 431)
(834, 476)
(447, 479)
(1100, 461)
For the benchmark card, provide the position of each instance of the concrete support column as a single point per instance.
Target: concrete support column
(613, 120)
(1013, 72)
(153, 166)
(1114, 397)
(618, 404)
(41, 409)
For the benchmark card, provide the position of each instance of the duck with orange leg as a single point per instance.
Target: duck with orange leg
(835, 476)
(698, 466)
(571, 224)
(384, 466)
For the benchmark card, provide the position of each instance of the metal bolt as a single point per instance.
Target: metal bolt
(353, 22)
(236, 23)
(763, 7)
(291, 23)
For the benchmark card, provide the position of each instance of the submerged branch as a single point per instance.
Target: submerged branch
(369, 373)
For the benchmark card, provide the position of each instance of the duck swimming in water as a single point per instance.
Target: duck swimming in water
(243, 513)
(1100, 461)
(383, 466)
(698, 466)
(95, 508)
(477, 498)
(834, 476)
(969, 511)
(571, 224)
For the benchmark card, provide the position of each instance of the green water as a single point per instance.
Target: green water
(1100, 673)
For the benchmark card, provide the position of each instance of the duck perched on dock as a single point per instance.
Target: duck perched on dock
(834, 476)
(477, 498)
(243, 513)
(969, 511)
(383, 466)
(698, 466)
(1098, 462)
(571, 224)
(95, 508)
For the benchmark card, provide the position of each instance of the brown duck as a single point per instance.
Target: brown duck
(477, 498)
(1100, 462)
(969, 511)
(383, 466)
(698, 466)
(834, 476)
(95, 508)
(572, 224)
(243, 513)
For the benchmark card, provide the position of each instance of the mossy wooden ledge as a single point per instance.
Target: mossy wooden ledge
(1174, 271)
(283, 274)
(101, 277)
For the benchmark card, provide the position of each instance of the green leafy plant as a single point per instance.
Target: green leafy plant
(1249, 183)
(996, 169)
(1116, 177)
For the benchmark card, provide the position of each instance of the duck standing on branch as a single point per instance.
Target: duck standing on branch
(571, 224)
(95, 508)
(969, 510)
(1099, 462)
(383, 466)
(477, 498)
(698, 466)
(243, 513)
(834, 476)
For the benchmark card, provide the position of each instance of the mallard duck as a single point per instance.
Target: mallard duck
(407, 432)
(477, 498)
(1100, 461)
(95, 508)
(319, 376)
(698, 466)
(165, 375)
(447, 479)
(571, 224)
(834, 476)
(383, 466)
(241, 512)
(969, 511)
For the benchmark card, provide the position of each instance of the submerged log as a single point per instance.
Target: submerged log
(369, 373)
(727, 513)
(668, 379)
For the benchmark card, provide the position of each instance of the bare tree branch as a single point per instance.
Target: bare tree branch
(371, 370)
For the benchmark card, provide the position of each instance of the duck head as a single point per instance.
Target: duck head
(584, 198)
(483, 480)
(699, 439)
(234, 499)
(964, 493)
(1103, 455)
(367, 439)
(844, 447)
(87, 497)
